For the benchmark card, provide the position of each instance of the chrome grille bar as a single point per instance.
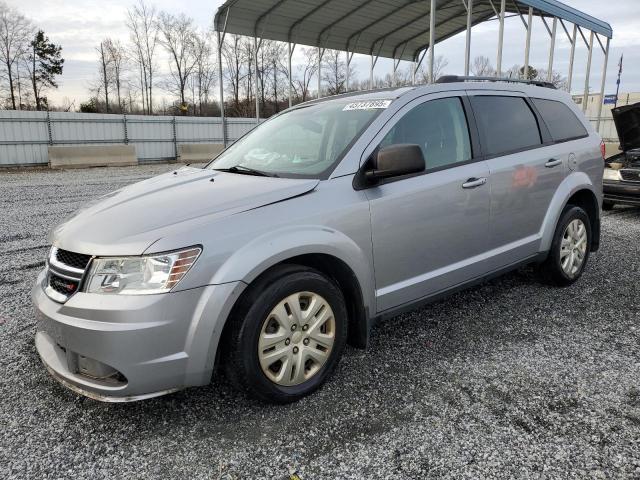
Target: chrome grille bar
(62, 280)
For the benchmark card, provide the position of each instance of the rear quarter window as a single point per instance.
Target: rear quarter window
(506, 124)
(562, 123)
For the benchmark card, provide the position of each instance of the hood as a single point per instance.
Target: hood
(627, 120)
(128, 221)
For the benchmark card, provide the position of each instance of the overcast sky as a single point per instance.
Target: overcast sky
(79, 25)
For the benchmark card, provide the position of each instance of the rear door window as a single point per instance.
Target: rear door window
(562, 123)
(506, 124)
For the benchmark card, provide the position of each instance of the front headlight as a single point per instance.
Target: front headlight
(140, 275)
(611, 174)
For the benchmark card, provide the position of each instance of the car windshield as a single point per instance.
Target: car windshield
(306, 142)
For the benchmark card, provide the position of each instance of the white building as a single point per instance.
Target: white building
(607, 128)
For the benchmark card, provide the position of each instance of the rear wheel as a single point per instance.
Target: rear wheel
(569, 249)
(607, 205)
(287, 335)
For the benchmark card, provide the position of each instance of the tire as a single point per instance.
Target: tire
(607, 205)
(265, 313)
(555, 270)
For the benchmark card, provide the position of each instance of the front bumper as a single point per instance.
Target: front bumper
(130, 347)
(624, 193)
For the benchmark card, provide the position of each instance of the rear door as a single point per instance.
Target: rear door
(526, 170)
(429, 230)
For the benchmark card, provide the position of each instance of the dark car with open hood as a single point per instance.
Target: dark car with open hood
(621, 183)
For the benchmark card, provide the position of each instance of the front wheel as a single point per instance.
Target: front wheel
(287, 335)
(569, 249)
(607, 205)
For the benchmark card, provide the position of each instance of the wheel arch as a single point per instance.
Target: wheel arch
(587, 200)
(329, 251)
(336, 270)
(577, 189)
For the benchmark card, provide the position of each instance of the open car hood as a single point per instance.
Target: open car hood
(627, 120)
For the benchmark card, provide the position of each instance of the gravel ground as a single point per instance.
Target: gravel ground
(509, 379)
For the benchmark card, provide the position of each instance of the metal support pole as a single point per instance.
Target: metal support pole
(371, 74)
(572, 57)
(503, 7)
(393, 73)
(602, 85)
(290, 75)
(49, 130)
(585, 96)
(124, 126)
(256, 82)
(221, 87)
(467, 49)
(349, 58)
(319, 73)
(414, 69)
(347, 72)
(552, 49)
(432, 38)
(175, 138)
(527, 47)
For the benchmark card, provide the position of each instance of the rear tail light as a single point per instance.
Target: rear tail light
(603, 149)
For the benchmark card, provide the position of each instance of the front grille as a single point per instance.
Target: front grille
(75, 260)
(62, 285)
(630, 175)
(65, 272)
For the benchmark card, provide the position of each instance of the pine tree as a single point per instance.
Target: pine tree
(45, 63)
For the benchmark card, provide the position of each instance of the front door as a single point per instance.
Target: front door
(430, 231)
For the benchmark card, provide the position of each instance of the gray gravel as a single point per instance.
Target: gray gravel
(509, 379)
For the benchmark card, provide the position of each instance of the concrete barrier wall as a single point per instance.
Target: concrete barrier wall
(25, 137)
(199, 152)
(79, 156)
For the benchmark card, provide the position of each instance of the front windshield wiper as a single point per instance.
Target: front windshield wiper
(246, 171)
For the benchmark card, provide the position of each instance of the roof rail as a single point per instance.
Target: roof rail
(460, 78)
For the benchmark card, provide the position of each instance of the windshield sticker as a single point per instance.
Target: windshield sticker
(370, 105)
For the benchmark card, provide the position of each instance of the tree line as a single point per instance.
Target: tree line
(482, 67)
(29, 62)
(129, 74)
(170, 66)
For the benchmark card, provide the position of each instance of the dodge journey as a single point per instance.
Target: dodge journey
(336, 213)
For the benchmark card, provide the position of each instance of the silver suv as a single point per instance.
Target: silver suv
(296, 239)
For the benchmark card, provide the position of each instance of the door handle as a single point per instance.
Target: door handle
(474, 182)
(553, 163)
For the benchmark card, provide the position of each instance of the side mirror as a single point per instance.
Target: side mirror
(395, 161)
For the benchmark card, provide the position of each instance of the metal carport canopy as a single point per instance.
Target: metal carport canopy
(386, 28)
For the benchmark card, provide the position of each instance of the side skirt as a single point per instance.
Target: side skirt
(421, 302)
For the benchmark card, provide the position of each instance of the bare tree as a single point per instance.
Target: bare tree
(334, 71)
(116, 59)
(278, 73)
(247, 49)
(481, 67)
(203, 77)
(15, 34)
(143, 30)
(439, 64)
(557, 79)
(178, 39)
(232, 55)
(306, 70)
(104, 81)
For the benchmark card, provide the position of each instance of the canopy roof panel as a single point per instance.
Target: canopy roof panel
(387, 28)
